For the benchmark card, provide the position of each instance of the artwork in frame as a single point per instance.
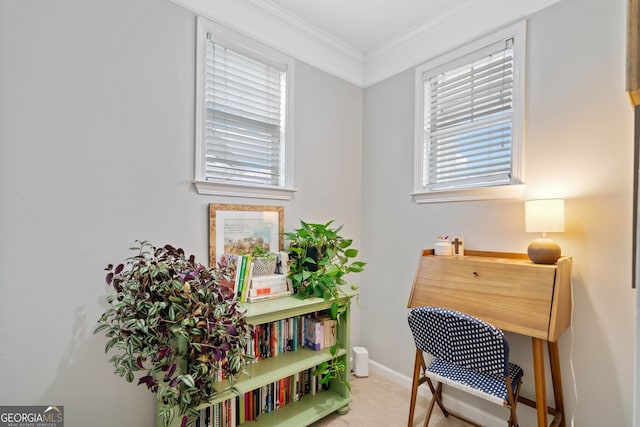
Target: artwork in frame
(236, 229)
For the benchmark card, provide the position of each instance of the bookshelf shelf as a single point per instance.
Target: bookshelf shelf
(280, 308)
(304, 412)
(287, 364)
(309, 408)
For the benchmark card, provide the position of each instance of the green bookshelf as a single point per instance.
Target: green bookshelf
(309, 408)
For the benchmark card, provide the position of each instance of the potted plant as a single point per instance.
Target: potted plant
(263, 262)
(319, 260)
(176, 321)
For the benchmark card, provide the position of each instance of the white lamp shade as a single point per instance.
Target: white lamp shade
(544, 216)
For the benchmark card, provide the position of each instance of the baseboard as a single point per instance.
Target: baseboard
(456, 405)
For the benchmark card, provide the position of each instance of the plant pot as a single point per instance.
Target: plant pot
(312, 252)
(263, 266)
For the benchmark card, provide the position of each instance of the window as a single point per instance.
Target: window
(244, 124)
(469, 108)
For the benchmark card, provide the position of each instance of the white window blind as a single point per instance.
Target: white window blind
(468, 117)
(245, 108)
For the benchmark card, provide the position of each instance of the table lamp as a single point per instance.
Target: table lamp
(544, 216)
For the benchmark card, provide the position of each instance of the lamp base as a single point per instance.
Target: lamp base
(543, 251)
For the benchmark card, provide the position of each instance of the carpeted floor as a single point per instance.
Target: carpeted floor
(380, 402)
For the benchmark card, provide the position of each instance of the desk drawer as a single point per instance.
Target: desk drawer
(514, 295)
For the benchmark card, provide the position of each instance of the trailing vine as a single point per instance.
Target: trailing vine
(177, 323)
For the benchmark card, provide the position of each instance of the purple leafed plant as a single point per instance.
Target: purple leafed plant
(173, 319)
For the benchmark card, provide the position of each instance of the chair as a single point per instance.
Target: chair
(469, 354)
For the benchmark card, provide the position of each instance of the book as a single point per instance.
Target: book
(269, 399)
(232, 262)
(290, 334)
(314, 383)
(246, 277)
(306, 381)
(268, 281)
(242, 260)
(329, 328)
(273, 339)
(264, 390)
(269, 290)
(241, 409)
(267, 287)
(296, 386)
(282, 263)
(257, 298)
(231, 419)
(313, 334)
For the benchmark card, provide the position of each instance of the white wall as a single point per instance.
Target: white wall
(579, 147)
(96, 150)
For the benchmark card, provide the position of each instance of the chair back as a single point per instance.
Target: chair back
(460, 339)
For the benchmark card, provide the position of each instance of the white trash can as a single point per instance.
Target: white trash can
(360, 362)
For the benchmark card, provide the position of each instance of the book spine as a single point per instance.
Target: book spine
(290, 334)
(283, 263)
(256, 403)
(269, 296)
(281, 338)
(246, 278)
(249, 405)
(263, 397)
(314, 384)
(253, 292)
(268, 399)
(241, 266)
(217, 422)
(274, 339)
(330, 327)
(234, 412)
(313, 334)
(267, 281)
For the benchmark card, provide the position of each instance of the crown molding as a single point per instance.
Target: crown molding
(271, 25)
(284, 17)
(466, 21)
(268, 23)
(427, 29)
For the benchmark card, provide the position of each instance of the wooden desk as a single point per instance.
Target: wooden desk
(512, 293)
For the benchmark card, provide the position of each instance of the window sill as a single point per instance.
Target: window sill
(236, 190)
(512, 191)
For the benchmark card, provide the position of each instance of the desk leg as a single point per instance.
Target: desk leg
(541, 391)
(554, 361)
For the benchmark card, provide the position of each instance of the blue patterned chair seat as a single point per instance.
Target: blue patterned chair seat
(489, 387)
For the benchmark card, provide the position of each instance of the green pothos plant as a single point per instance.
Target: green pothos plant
(178, 323)
(320, 259)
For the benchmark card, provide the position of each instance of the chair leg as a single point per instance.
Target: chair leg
(419, 377)
(437, 396)
(513, 401)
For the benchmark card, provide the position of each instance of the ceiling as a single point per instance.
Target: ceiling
(368, 24)
(364, 41)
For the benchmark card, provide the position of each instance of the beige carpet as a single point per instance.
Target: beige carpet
(380, 402)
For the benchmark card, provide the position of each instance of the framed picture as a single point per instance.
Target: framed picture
(235, 229)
